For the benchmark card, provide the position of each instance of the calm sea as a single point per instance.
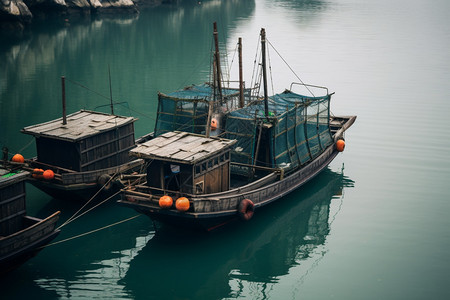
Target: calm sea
(374, 225)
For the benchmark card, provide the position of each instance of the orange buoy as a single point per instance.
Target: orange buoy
(165, 202)
(340, 145)
(214, 124)
(182, 204)
(38, 173)
(18, 158)
(48, 174)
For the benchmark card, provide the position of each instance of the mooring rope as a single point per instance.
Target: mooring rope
(92, 231)
(27, 145)
(74, 216)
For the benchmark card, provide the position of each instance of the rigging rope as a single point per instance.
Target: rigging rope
(255, 68)
(92, 231)
(27, 145)
(74, 216)
(10, 150)
(108, 98)
(290, 67)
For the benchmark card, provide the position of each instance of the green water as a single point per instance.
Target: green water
(374, 225)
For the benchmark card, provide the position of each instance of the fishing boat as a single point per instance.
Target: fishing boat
(21, 236)
(218, 154)
(83, 151)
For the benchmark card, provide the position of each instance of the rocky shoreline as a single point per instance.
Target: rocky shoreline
(17, 14)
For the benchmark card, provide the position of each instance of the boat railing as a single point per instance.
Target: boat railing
(308, 85)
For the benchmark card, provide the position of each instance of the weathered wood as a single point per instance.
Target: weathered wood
(81, 124)
(183, 147)
(263, 191)
(20, 235)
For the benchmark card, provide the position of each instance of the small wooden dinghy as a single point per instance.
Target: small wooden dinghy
(21, 236)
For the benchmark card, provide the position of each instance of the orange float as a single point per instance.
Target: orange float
(340, 145)
(38, 173)
(48, 174)
(182, 204)
(213, 124)
(165, 202)
(18, 158)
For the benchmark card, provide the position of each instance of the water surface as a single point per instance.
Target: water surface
(374, 225)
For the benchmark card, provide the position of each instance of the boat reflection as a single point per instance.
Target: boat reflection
(85, 266)
(128, 261)
(214, 266)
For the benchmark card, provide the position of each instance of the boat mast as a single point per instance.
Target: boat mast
(241, 79)
(263, 57)
(63, 88)
(217, 60)
(110, 91)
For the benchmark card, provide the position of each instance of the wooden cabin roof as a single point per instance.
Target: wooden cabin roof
(182, 147)
(80, 125)
(8, 177)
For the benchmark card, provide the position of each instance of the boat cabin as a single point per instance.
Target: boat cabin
(88, 141)
(12, 201)
(182, 162)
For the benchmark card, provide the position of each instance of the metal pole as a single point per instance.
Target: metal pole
(110, 91)
(263, 52)
(63, 87)
(241, 77)
(217, 57)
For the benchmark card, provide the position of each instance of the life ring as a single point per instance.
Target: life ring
(105, 181)
(246, 209)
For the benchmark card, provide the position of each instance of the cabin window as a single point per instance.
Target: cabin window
(199, 186)
(172, 177)
(175, 168)
(203, 167)
(197, 170)
(210, 164)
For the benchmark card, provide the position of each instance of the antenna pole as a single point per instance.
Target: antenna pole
(110, 91)
(63, 88)
(263, 53)
(217, 58)
(241, 77)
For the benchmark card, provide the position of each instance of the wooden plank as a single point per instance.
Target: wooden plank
(181, 146)
(79, 125)
(183, 156)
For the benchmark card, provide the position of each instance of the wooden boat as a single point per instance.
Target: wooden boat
(84, 150)
(292, 229)
(264, 148)
(21, 236)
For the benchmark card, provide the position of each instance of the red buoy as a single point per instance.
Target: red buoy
(18, 158)
(214, 124)
(165, 202)
(37, 173)
(182, 204)
(340, 145)
(48, 174)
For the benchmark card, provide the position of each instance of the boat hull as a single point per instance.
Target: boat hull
(84, 186)
(78, 192)
(17, 248)
(213, 216)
